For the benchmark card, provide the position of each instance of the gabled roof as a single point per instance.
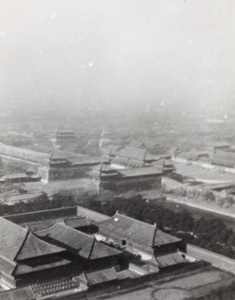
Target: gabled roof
(16, 243)
(141, 233)
(77, 242)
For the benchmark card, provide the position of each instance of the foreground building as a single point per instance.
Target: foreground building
(25, 259)
(45, 255)
(143, 240)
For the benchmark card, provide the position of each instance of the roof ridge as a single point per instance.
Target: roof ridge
(92, 247)
(25, 230)
(130, 218)
(45, 242)
(46, 229)
(75, 230)
(20, 248)
(65, 226)
(8, 260)
(12, 223)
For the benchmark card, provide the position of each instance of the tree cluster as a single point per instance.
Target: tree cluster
(210, 234)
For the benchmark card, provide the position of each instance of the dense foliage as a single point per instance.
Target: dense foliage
(210, 234)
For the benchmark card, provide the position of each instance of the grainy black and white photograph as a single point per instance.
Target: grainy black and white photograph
(117, 150)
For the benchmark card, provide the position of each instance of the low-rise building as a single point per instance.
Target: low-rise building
(142, 239)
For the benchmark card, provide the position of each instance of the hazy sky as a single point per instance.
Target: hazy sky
(117, 53)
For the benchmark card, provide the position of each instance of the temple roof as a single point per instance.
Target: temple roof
(97, 277)
(77, 221)
(77, 242)
(24, 293)
(16, 243)
(170, 259)
(27, 268)
(12, 237)
(134, 230)
(135, 154)
(144, 171)
(35, 247)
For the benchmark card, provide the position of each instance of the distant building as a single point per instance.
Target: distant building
(193, 155)
(105, 140)
(65, 137)
(26, 155)
(58, 165)
(224, 158)
(151, 147)
(19, 178)
(129, 157)
(61, 168)
(123, 180)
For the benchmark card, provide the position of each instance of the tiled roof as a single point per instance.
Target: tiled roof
(77, 242)
(102, 167)
(55, 155)
(163, 238)
(144, 171)
(16, 243)
(34, 155)
(26, 268)
(97, 277)
(87, 160)
(128, 162)
(34, 247)
(170, 259)
(7, 266)
(76, 222)
(24, 293)
(12, 237)
(140, 233)
(135, 154)
(16, 176)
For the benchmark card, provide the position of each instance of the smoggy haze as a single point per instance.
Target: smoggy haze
(117, 53)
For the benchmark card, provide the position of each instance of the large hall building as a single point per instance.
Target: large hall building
(55, 254)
